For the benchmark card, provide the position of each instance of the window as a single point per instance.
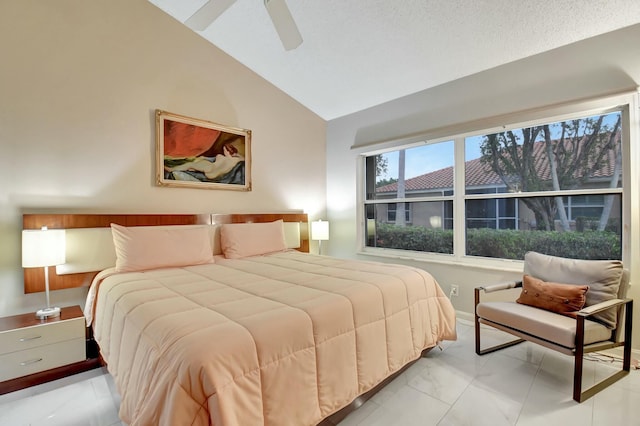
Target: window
(391, 212)
(496, 213)
(419, 180)
(589, 206)
(554, 187)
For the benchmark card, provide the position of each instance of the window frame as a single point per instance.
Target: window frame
(498, 217)
(627, 103)
(571, 206)
(407, 212)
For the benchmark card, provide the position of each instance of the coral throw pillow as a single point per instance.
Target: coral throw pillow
(566, 299)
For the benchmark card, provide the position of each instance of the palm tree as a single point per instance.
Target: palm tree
(400, 209)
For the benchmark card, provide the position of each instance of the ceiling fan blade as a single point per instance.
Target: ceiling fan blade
(284, 23)
(208, 13)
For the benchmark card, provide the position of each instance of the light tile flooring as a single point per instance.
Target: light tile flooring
(522, 385)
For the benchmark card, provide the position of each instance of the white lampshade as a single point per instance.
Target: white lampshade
(320, 230)
(43, 247)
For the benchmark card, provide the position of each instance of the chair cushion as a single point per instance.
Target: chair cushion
(602, 277)
(547, 325)
(565, 299)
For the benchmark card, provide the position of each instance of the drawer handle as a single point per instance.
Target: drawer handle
(31, 361)
(28, 339)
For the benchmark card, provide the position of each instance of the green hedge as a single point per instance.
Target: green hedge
(505, 244)
(414, 238)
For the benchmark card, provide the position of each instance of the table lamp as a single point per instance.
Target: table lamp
(320, 232)
(42, 248)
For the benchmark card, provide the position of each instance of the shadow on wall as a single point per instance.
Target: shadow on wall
(458, 106)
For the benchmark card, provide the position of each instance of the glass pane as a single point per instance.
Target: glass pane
(586, 234)
(507, 207)
(507, 223)
(573, 154)
(448, 216)
(422, 171)
(586, 200)
(427, 226)
(481, 223)
(592, 213)
(481, 209)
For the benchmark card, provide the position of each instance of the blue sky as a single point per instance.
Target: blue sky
(428, 158)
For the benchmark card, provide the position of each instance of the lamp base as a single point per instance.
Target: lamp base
(48, 312)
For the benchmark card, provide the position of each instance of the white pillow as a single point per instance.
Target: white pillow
(140, 248)
(252, 239)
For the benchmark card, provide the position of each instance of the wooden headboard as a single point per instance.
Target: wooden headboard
(34, 277)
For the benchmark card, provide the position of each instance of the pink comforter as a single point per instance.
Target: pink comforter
(283, 339)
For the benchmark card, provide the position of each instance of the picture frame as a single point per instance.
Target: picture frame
(195, 153)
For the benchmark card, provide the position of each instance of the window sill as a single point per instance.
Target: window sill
(443, 259)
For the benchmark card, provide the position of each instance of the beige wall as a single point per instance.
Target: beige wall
(594, 67)
(79, 83)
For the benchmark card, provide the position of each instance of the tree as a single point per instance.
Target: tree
(400, 208)
(574, 151)
(381, 165)
(615, 176)
(384, 182)
(381, 169)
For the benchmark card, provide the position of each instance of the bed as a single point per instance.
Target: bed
(257, 331)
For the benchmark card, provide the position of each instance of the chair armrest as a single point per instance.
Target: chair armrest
(501, 286)
(495, 287)
(582, 315)
(602, 306)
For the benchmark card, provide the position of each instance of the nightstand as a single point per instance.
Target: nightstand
(34, 351)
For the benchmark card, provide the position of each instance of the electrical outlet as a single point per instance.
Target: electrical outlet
(454, 290)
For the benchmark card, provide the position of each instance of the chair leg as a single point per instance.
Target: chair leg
(578, 394)
(581, 396)
(477, 330)
(578, 360)
(493, 348)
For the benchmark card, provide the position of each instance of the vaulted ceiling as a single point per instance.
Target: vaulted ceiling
(360, 53)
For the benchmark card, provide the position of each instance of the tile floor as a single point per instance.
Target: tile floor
(522, 385)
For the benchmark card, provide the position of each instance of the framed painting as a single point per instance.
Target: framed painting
(193, 153)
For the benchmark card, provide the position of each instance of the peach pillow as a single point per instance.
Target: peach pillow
(140, 248)
(252, 239)
(566, 299)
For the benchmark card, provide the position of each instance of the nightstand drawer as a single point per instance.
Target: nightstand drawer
(41, 334)
(29, 361)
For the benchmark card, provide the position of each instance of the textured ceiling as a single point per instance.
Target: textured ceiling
(360, 53)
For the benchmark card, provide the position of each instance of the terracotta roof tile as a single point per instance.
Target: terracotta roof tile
(479, 174)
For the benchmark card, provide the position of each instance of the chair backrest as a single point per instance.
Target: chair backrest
(604, 278)
(622, 294)
(624, 284)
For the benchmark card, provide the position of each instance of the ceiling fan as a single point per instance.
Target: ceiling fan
(278, 11)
